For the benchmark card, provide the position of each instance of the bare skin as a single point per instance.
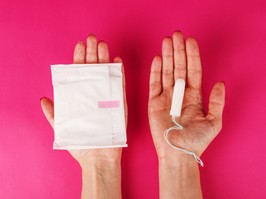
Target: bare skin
(179, 174)
(101, 169)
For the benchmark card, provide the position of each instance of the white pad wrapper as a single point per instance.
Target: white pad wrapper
(88, 106)
(178, 96)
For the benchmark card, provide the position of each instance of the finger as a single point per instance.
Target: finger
(155, 77)
(48, 109)
(168, 62)
(194, 71)
(119, 60)
(103, 52)
(216, 103)
(91, 50)
(179, 56)
(79, 53)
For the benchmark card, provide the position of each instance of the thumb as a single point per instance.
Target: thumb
(216, 105)
(48, 110)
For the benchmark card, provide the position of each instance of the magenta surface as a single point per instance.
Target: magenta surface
(36, 33)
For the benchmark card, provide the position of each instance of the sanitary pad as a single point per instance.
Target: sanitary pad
(88, 106)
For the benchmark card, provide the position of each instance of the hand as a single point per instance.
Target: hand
(96, 52)
(182, 60)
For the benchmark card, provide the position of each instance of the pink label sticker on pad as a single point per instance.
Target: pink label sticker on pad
(109, 104)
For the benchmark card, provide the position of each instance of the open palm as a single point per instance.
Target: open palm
(93, 52)
(181, 59)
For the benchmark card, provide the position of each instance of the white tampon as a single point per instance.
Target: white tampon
(175, 111)
(178, 96)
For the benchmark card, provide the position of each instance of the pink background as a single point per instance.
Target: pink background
(37, 33)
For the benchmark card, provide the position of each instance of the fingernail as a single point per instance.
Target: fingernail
(178, 31)
(101, 41)
(41, 99)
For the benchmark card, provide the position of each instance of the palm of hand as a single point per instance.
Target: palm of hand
(95, 53)
(199, 128)
(197, 132)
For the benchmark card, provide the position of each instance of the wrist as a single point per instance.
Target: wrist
(101, 178)
(98, 164)
(179, 177)
(178, 160)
